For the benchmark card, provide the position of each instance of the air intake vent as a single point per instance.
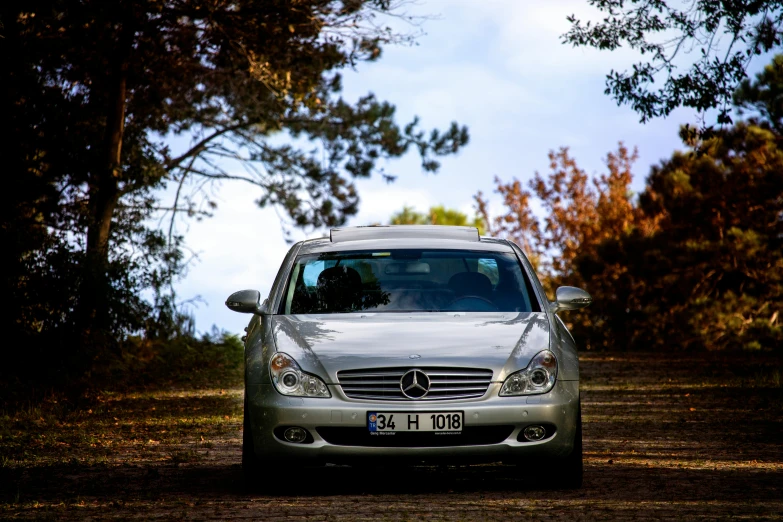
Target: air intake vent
(470, 436)
(444, 383)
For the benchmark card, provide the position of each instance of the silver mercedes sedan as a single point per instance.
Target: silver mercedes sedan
(410, 344)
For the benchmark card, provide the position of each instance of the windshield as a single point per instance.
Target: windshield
(408, 281)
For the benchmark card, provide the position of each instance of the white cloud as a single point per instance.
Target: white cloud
(496, 66)
(240, 247)
(378, 203)
(529, 37)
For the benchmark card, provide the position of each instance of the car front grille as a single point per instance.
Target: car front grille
(470, 436)
(445, 383)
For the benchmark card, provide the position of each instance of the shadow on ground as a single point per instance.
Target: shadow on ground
(480, 492)
(661, 441)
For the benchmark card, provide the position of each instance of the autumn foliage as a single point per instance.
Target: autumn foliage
(694, 262)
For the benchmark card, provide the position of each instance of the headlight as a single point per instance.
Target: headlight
(290, 380)
(538, 377)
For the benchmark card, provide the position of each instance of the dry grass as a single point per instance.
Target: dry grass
(684, 438)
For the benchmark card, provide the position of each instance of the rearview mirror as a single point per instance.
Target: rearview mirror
(246, 302)
(412, 268)
(570, 298)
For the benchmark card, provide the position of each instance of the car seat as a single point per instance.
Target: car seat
(470, 283)
(339, 289)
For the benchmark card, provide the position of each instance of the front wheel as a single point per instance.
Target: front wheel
(252, 469)
(573, 467)
(566, 473)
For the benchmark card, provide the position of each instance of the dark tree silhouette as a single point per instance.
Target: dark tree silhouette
(96, 94)
(715, 39)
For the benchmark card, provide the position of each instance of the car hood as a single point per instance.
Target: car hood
(326, 344)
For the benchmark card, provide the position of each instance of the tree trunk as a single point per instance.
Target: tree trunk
(104, 187)
(103, 196)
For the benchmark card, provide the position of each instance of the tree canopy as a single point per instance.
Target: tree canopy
(108, 103)
(695, 262)
(437, 215)
(696, 53)
(762, 99)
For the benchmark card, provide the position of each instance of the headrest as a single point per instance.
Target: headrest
(470, 283)
(340, 276)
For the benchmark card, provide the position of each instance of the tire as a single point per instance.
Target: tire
(568, 473)
(572, 470)
(252, 470)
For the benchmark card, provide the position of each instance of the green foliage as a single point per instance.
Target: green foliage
(438, 215)
(763, 98)
(137, 363)
(723, 36)
(214, 360)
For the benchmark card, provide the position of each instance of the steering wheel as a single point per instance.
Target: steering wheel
(488, 305)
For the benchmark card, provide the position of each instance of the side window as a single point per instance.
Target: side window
(301, 293)
(489, 267)
(311, 272)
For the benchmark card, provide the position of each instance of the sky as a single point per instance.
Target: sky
(497, 66)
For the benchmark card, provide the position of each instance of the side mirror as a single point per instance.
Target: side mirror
(570, 298)
(246, 302)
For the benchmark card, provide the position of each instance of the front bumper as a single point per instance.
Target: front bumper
(268, 410)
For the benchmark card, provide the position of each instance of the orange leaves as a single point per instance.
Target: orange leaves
(581, 212)
(519, 223)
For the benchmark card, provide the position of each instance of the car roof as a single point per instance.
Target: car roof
(429, 237)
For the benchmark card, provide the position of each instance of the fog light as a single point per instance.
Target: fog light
(535, 432)
(295, 435)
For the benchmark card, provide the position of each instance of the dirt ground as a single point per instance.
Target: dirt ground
(683, 438)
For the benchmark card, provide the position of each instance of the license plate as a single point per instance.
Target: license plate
(397, 421)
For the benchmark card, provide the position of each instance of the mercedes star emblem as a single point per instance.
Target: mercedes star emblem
(415, 384)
